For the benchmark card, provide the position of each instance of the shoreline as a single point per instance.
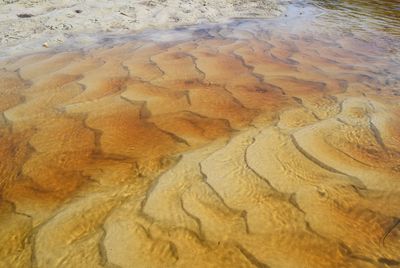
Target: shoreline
(27, 26)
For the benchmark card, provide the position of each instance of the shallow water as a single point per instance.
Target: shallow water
(254, 143)
(380, 15)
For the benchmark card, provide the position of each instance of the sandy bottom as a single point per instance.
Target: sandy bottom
(237, 146)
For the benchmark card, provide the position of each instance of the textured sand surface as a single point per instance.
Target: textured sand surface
(25, 24)
(236, 147)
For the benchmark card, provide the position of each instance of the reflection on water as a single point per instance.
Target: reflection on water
(256, 143)
(383, 15)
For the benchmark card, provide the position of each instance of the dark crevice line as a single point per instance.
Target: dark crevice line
(301, 103)
(128, 74)
(27, 83)
(390, 230)
(389, 262)
(145, 230)
(195, 126)
(39, 227)
(122, 87)
(250, 68)
(319, 163)
(251, 258)
(187, 96)
(26, 242)
(154, 64)
(226, 121)
(242, 215)
(97, 136)
(205, 180)
(298, 100)
(351, 157)
(314, 115)
(105, 262)
(191, 112)
(287, 61)
(237, 101)
(377, 134)
(341, 121)
(126, 68)
(255, 172)
(153, 185)
(82, 77)
(144, 114)
(35, 231)
(81, 85)
(28, 155)
(259, 77)
(194, 60)
(123, 63)
(7, 123)
(349, 253)
(292, 200)
(32, 241)
(196, 219)
(87, 178)
(98, 153)
(171, 135)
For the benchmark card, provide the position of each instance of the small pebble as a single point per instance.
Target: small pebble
(45, 45)
(24, 15)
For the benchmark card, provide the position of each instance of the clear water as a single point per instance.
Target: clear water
(255, 143)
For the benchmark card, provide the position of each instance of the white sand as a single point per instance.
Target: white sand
(54, 21)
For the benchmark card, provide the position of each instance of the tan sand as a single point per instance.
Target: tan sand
(53, 22)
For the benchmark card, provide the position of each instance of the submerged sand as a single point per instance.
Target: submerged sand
(25, 25)
(251, 144)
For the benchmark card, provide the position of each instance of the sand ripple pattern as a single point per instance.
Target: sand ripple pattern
(236, 147)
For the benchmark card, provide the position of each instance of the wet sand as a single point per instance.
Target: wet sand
(25, 25)
(248, 144)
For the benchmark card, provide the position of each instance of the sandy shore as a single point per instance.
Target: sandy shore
(26, 25)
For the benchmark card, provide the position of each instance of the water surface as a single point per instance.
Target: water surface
(255, 143)
(380, 15)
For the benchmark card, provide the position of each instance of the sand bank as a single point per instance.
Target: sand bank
(26, 25)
